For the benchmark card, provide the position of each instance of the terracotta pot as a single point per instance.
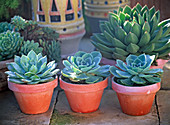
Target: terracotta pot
(161, 63)
(3, 76)
(84, 98)
(135, 100)
(33, 99)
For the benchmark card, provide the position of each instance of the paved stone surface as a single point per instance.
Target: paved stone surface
(10, 114)
(109, 113)
(166, 78)
(163, 100)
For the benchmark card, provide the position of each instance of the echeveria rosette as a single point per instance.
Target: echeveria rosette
(134, 31)
(28, 45)
(10, 43)
(85, 66)
(136, 71)
(31, 69)
(5, 26)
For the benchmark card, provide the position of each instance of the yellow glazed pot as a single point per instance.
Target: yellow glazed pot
(65, 16)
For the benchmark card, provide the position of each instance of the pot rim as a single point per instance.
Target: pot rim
(130, 90)
(83, 88)
(37, 88)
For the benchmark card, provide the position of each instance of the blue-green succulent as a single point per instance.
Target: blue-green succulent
(5, 26)
(10, 43)
(136, 71)
(31, 69)
(28, 45)
(85, 66)
(134, 31)
(18, 22)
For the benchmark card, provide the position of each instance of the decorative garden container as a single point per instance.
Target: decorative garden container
(96, 10)
(33, 99)
(3, 76)
(32, 80)
(135, 100)
(84, 80)
(84, 98)
(66, 17)
(136, 83)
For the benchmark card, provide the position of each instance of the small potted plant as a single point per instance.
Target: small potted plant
(84, 80)
(10, 43)
(31, 79)
(135, 83)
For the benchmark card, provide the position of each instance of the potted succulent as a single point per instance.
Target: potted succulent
(31, 79)
(10, 43)
(135, 83)
(135, 31)
(84, 80)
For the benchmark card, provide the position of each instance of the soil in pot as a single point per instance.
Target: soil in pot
(84, 98)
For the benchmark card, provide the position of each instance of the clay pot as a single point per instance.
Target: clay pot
(96, 10)
(135, 100)
(66, 17)
(84, 98)
(33, 99)
(161, 63)
(3, 76)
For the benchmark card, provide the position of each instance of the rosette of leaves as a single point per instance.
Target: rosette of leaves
(31, 69)
(133, 31)
(136, 71)
(51, 49)
(10, 43)
(27, 46)
(18, 22)
(85, 66)
(5, 26)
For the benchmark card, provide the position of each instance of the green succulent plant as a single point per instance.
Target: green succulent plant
(5, 26)
(136, 71)
(10, 43)
(27, 46)
(85, 66)
(133, 31)
(31, 69)
(18, 22)
(30, 30)
(51, 49)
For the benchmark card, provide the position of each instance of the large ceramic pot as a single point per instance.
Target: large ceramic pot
(135, 100)
(33, 99)
(96, 10)
(66, 17)
(84, 98)
(3, 76)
